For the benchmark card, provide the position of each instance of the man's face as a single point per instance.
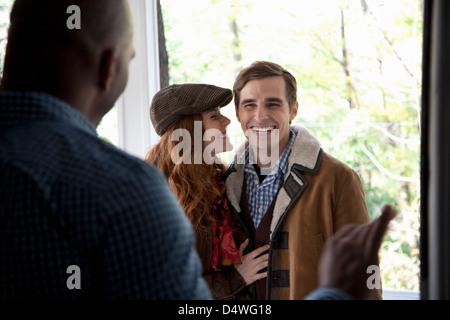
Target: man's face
(264, 113)
(122, 58)
(126, 54)
(120, 77)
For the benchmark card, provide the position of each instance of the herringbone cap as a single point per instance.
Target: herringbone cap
(178, 100)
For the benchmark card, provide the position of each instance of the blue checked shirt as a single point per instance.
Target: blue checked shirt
(260, 196)
(80, 218)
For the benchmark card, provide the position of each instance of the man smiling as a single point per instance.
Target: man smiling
(296, 202)
(265, 114)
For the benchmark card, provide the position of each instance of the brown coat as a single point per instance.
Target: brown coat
(320, 194)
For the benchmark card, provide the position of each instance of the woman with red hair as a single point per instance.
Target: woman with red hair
(187, 117)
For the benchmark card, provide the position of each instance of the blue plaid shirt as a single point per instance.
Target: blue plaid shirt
(260, 196)
(67, 198)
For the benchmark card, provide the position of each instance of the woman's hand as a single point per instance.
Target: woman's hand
(252, 263)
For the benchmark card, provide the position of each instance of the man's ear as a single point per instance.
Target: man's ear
(294, 111)
(237, 114)
(108, 69)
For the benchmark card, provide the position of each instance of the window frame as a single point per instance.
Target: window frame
(135, 132)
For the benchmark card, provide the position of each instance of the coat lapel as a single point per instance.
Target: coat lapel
(305, 157)
(235, 179)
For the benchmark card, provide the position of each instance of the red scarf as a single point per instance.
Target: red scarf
(225, 252)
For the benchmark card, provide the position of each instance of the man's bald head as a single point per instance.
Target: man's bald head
(42, 50)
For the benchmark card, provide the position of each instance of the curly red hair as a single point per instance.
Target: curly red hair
(191, 183)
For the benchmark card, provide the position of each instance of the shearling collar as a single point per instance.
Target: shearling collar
(305, 155)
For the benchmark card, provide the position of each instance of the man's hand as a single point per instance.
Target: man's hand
(346, 256)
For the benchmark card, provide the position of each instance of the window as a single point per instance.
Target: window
(128, 124)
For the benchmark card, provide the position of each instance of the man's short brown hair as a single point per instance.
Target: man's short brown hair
(264, 69)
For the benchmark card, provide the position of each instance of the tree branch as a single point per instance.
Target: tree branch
(395, 138)
(384, 170)
(367, 9)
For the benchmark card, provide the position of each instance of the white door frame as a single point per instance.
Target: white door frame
(136, 133)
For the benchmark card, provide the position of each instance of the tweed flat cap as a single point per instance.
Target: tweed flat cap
(178, 100)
